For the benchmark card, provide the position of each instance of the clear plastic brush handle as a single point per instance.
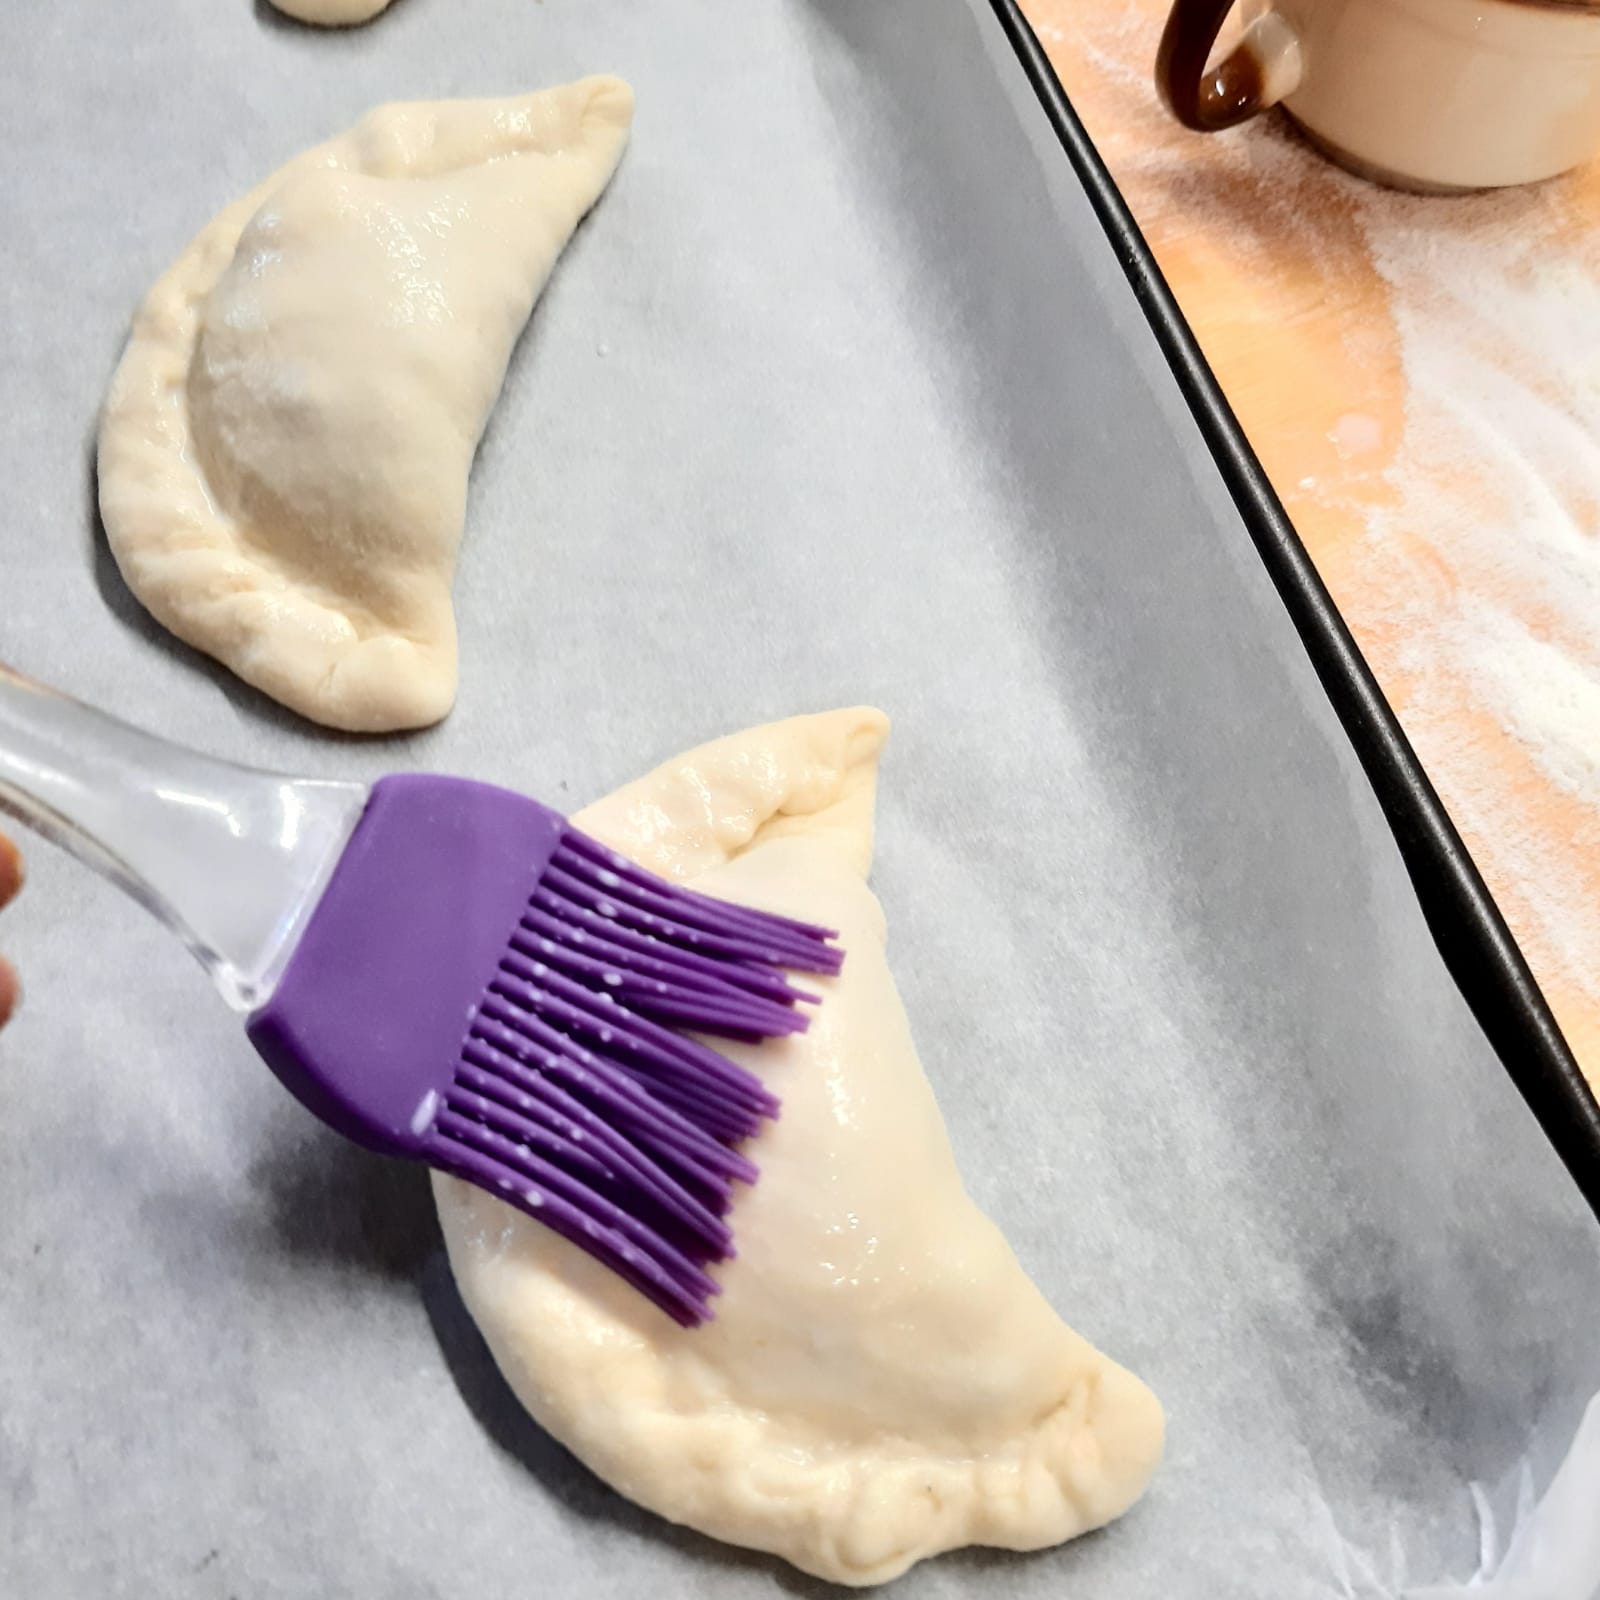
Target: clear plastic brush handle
(230, 858)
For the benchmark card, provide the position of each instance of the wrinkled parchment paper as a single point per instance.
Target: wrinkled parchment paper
(839, 395)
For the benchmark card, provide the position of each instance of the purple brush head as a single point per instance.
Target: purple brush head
(484, 988)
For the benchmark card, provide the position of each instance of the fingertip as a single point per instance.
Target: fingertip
(10, 869)
(10, 991)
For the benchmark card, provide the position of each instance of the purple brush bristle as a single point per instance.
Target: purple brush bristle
(486, 989)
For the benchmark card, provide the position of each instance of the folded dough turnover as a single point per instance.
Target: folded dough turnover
(285, 447)
(882, 1380)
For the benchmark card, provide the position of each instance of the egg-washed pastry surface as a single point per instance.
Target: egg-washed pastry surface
(284, 451)
(882, 1380)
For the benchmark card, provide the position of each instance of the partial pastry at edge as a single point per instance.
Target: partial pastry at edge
(332, 13)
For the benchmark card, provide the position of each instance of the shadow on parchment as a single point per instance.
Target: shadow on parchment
(328, 1202)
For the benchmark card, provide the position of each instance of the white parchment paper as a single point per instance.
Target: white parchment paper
(839, 395)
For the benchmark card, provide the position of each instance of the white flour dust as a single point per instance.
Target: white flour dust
(1499, 475)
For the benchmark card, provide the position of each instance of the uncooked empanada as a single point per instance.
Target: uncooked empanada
(332, 13)
(882, 1380)
(285, 447)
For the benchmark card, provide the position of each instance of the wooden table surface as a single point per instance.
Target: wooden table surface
(1420, 378)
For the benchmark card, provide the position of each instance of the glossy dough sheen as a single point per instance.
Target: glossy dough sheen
(882, 1380)
(285, 447)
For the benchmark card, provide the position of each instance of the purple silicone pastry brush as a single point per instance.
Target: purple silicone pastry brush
(450, 972)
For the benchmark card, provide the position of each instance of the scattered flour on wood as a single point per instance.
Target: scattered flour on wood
(1499, 473)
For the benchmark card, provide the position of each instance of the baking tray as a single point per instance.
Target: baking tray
(843, 393)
